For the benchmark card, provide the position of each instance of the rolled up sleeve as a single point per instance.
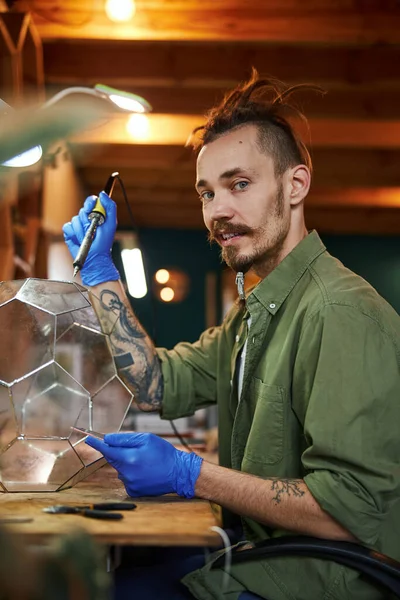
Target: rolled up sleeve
(348, 382)
(190, 373)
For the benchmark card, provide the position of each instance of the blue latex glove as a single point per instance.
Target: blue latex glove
(149, 465)
(98, 266)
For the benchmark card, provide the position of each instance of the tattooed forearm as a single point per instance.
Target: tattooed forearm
(278, 503)
(135, 356)
(288, 487)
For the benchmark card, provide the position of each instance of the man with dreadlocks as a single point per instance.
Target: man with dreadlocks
(304, 369)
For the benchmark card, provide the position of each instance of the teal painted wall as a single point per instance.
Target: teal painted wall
(169, 323)
(376, 259)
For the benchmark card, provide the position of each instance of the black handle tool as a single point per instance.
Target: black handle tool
(101, 510)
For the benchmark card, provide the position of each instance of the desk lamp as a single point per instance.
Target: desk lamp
(29, 155)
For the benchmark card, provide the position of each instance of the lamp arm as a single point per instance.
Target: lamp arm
(73, 90)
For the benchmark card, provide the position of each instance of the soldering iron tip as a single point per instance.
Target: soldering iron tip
(76, 271)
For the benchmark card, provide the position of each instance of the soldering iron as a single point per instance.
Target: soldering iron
(97, 217)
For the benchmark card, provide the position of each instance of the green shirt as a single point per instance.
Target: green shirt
(320, 401)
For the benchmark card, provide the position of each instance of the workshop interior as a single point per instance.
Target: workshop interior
(104, 95)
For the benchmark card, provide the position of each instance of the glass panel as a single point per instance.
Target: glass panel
(86, 355)
(83, 473)
(81, 288)
(27, 340)
(108, 321)
(87, 318)
(63, 323)
(53, 296)
(51, 403)
(85, 452)
(9, 289)
(38, 465)
(110, 406)
(19, 391)
(8, 425)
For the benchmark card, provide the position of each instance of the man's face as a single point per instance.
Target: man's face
(244, 205)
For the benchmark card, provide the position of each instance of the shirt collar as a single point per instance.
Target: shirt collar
(275, 288)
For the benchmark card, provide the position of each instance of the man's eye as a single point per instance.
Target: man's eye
(205, 196)
(241, 185)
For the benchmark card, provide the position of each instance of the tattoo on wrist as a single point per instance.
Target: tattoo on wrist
(288, 487)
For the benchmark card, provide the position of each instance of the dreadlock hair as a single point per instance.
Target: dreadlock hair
(264, 103)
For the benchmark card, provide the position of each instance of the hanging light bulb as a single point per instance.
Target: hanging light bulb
(120, 10)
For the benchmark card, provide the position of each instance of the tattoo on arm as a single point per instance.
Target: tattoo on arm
(135, 355)
(110, 302)
(288, 487)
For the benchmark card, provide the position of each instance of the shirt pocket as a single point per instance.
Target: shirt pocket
(265, 443)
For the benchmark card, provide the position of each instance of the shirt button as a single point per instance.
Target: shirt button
(254, 339)
(237, 338)
(272, 305)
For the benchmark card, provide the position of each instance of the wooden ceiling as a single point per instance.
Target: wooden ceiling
(182, 55)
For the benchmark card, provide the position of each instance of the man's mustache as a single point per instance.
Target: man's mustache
(221, 228)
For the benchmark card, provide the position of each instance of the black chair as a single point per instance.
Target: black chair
(380, 569)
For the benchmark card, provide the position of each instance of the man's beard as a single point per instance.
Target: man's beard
(268, 244)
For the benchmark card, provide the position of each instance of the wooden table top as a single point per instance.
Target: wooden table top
(162, 521)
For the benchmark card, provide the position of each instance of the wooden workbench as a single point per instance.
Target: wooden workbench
(162, 521)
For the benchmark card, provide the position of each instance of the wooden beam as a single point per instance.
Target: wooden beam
(216, 64)
(163, 129)
(223, 20)
(172, 167)
(357, 102)
(128, 156)
(352, 221)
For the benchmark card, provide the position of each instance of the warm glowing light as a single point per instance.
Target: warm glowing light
(120, 10)
(138, 126)
(134, 272)
(167, 294)
(127, 103)
(162, 276)
(26, 159)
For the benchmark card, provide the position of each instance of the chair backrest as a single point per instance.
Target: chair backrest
(380, 569)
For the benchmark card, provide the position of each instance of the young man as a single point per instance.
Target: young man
(305, 369)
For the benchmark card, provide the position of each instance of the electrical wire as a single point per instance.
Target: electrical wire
(129, 208)
(180, 438)
(228, 555)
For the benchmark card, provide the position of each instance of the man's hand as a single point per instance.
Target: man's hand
(98, 266)
(149, 465)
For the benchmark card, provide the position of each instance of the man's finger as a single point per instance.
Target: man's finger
(78, 229)
(89, 204)
(109, 453)
(129, 440)
(109, 206)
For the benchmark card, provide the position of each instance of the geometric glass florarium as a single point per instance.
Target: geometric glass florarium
(56, 370)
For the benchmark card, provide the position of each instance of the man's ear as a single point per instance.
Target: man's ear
(299, 180)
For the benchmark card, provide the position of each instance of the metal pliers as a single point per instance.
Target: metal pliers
(102, 510)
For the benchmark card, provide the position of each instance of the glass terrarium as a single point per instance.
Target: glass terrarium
(56, 371)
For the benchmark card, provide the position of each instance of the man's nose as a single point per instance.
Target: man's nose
(221, 208)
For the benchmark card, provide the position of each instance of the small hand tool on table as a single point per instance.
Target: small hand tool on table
(101, 510)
